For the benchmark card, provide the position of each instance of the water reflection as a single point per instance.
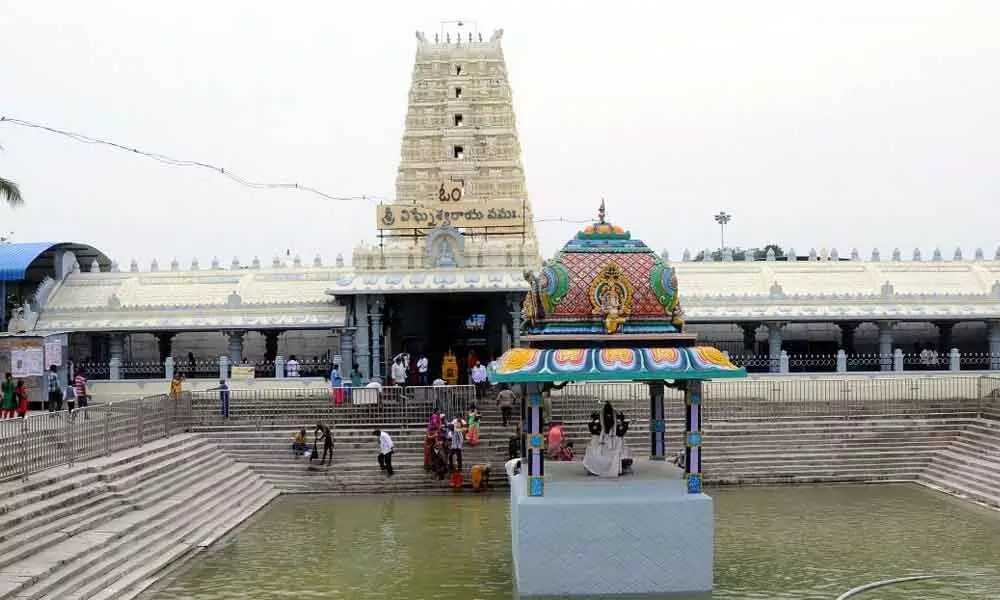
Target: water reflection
(801, 543)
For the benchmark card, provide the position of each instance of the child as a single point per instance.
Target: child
(21, 391)
(299, 443)
(566, 451)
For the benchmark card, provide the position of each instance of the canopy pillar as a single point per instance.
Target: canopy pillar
(692, 436)
(531, 446)
(657, 422)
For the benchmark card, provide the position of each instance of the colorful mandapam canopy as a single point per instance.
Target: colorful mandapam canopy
(612, 364)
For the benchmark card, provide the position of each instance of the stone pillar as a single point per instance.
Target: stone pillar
(168, 368)
(378, 359)
(774, 345)
(944, 335)
(847, 330)
(116, 351)
(749, 337)
(223, 368)
(841, 361)
(783, 362)
(346, 351)
(994, 344)
(361, 350)
(271, 344)
(657, 422)
(164, 343)
(885, 344)
(897, 360)
(692, 436)
(279, 366)
(514, 307)
(531, 416)
(235, 350)
(954, 360)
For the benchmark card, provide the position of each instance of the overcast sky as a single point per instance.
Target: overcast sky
(816, 124)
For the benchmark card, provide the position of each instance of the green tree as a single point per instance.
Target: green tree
(10, 193)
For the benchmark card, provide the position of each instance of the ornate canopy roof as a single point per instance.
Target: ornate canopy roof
(612, 364)
(604, 282)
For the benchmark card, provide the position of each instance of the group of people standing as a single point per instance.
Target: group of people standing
(15, 398)
(445, 441)
(14, 395)
(407, 372)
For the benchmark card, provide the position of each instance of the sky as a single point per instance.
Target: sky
(815, 124)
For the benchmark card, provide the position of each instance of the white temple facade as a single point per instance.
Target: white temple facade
(444, 270)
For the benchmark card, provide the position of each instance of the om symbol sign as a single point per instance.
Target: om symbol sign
(445, 196)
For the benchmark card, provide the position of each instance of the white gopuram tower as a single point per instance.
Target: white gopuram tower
(461, 199)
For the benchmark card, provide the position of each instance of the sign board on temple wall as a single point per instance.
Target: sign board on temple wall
(495, 213)
(241, 373)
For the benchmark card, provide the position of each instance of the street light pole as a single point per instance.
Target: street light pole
(723, 218)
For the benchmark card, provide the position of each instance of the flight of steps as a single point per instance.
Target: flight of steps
(105, 528)
(897, 446)
(970, 466)
(260, 436)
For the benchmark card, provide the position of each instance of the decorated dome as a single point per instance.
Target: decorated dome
(603, 282)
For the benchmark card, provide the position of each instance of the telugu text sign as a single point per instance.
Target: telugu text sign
(456, 214)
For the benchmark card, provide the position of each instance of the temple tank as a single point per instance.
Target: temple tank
(795, 543)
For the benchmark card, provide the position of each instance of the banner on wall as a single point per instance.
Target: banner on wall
(496, 213)
(242, 373)
(53, 353)
(27, 362)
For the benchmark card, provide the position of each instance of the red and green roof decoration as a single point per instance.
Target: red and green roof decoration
(603, 281)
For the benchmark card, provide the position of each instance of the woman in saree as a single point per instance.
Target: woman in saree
(472, 435)
(433, 426)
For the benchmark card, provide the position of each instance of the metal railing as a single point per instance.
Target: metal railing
(769, 398)
(46, 440)
(343, 405)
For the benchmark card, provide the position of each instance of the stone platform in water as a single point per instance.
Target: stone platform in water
(632, 535)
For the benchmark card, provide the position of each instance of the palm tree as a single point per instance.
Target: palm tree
(10, 193)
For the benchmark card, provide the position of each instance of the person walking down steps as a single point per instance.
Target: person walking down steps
(323, 433)
(385, 448)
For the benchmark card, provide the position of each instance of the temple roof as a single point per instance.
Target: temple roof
(603, 283)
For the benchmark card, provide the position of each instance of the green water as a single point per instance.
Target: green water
(799, 543)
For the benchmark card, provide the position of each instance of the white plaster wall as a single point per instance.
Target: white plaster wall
(638, 540)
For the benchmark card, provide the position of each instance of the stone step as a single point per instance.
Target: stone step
(91, 571)
(954, 486)
(58, 566)
(89, 483)
(118, 499)
(130, 576)
(985, 474)
(64, 476)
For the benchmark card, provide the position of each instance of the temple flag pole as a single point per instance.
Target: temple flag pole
(532, 419)
(657, 422)
(692, 436)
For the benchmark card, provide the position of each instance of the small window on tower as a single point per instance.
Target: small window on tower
(458, 120)
(458, 92)
(459, 152)
(458, 69)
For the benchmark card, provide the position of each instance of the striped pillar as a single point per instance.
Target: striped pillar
(531, 417)
(692, 436)
(657, 422)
